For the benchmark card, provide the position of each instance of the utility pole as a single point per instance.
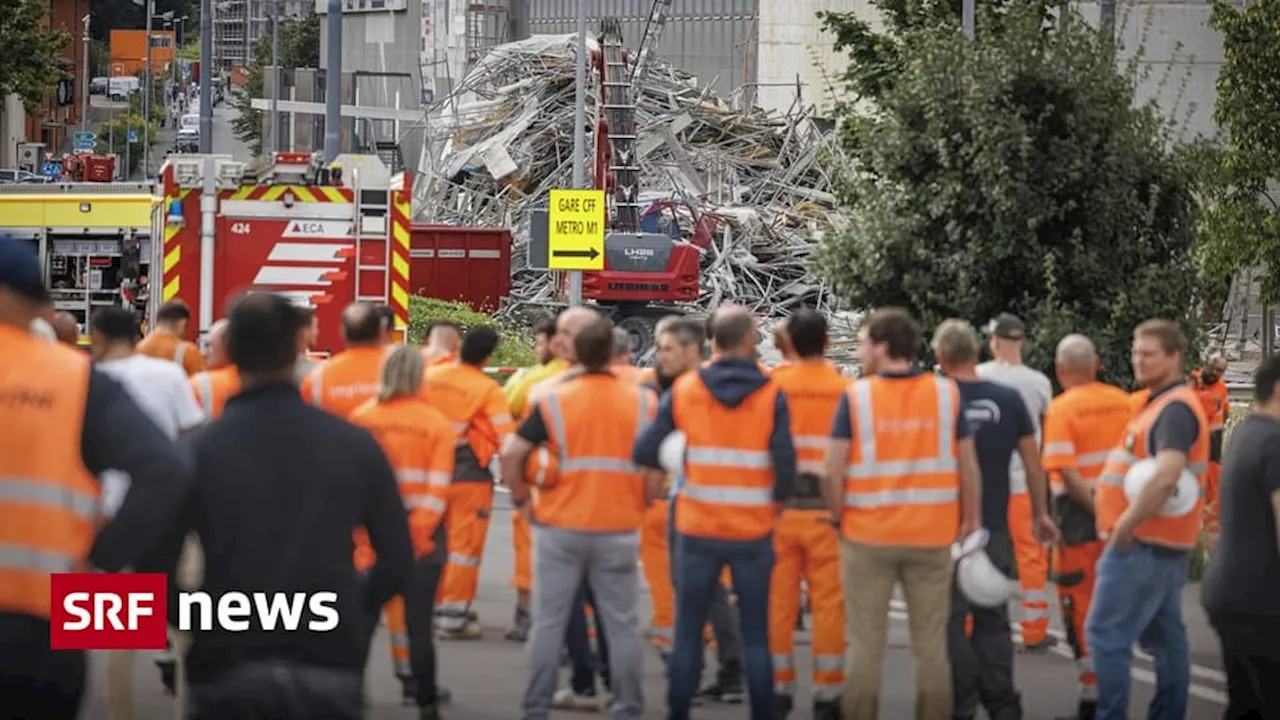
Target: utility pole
(208, 197)
(148, 85)
(333, 83)
(1107, 19)
(84, 72)
(969, 18)
(579, 134)
(275, 75)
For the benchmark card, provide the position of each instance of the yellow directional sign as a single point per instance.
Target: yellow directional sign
(575, 238)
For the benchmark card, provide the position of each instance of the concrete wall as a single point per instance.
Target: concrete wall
(712, 39)
(13, 121)
(1179, 58)
(381, 68)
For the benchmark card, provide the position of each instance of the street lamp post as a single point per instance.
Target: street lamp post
(275, 75)
(146, 97)
(84, 71)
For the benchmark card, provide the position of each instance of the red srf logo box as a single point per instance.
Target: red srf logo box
(108, 611)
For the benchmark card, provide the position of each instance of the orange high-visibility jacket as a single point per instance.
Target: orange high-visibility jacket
(813, 389)
(345, 381)
(592, 424)
(419, 443)
(1176, 532)
(1081, 427)
(473, 402)
(902, 482)
(50, 501)
(213, 388)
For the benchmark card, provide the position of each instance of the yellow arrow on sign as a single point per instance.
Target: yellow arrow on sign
(576, 230)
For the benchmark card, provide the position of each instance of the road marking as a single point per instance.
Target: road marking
(898, 612)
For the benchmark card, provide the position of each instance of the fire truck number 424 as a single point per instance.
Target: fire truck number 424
(240, 228)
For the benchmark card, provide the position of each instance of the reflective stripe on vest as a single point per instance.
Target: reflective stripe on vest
(812, 443)
(728, 459)
(560, 437)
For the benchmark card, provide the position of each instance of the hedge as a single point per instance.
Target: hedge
(515, 350)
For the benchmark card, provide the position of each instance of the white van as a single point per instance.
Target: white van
(189, 122)
(121, 87)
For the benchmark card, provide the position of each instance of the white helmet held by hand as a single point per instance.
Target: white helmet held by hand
(671, 452)
(1185, 493)
(977, 577)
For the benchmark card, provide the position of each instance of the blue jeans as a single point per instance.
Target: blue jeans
(696, 577)
(1138, 599)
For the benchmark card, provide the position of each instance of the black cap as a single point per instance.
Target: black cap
(20, 269)
(1007, 326)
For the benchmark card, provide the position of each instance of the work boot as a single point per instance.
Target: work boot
(782, 706)
(826, 710)
(1086, 710)
(1043, 646)
(470, 631)
(519, 631)
(567, 699)
(408, 691)
(726, 690)
(168, 668)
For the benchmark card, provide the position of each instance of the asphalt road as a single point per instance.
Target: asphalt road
(487, 675)
(224, 141)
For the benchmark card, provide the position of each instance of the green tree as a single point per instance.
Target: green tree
(1008, 173)
(299, 48)
(29, 53)
(1241, 222)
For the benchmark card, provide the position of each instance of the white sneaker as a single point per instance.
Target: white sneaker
(567, 699)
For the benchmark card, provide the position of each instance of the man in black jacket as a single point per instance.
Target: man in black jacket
(279, 488)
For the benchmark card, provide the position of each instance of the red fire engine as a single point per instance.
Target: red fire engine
(650, 262)
(324, 236)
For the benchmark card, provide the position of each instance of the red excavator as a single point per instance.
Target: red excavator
(651, 263)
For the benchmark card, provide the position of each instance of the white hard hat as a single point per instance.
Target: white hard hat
(43, 330)
(977, 577)
(671, 452)
(1185, 493)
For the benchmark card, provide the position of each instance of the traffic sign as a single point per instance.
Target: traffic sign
(82, 135)
(133, 135)
(84, 151)
(84, 144)
(53, 170)
(576, 229)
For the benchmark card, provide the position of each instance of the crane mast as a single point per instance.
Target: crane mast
(617, 169)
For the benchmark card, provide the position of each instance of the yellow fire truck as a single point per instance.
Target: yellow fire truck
(78, 231)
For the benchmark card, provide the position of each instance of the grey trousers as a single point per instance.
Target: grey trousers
(562, 559)
(982, 663)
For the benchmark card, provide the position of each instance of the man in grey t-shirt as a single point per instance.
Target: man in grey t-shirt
(1007, 334)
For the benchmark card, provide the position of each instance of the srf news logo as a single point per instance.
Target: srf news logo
(123, 611)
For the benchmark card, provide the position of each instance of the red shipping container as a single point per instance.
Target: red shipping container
(99, 168)
(460, 264)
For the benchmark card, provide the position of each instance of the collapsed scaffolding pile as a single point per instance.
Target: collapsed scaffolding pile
(504, 138)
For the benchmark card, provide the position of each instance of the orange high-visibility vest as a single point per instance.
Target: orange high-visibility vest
(473, 402)
(346, 380)
(419, 443)
(592, 424)
(630, 373)
(1177, 532)
(49, 502)
(1081, 427)
(902, 481)
(214, 387)
(1214, 400)
(728, 490)
(813, 389)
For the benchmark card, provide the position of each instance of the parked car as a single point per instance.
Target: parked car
(20, 177)
(99, 85)
(187, 140)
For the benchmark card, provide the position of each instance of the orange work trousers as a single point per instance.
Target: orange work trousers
(655, 559)
(522, 544)
(1033, 571)
(1076, 567)
(468, 524)
(398, 632)
(807, 547)
(1212, 480)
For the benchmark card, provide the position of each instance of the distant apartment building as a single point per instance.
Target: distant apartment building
(237, 25)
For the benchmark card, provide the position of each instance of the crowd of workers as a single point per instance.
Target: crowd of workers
(738, 489)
